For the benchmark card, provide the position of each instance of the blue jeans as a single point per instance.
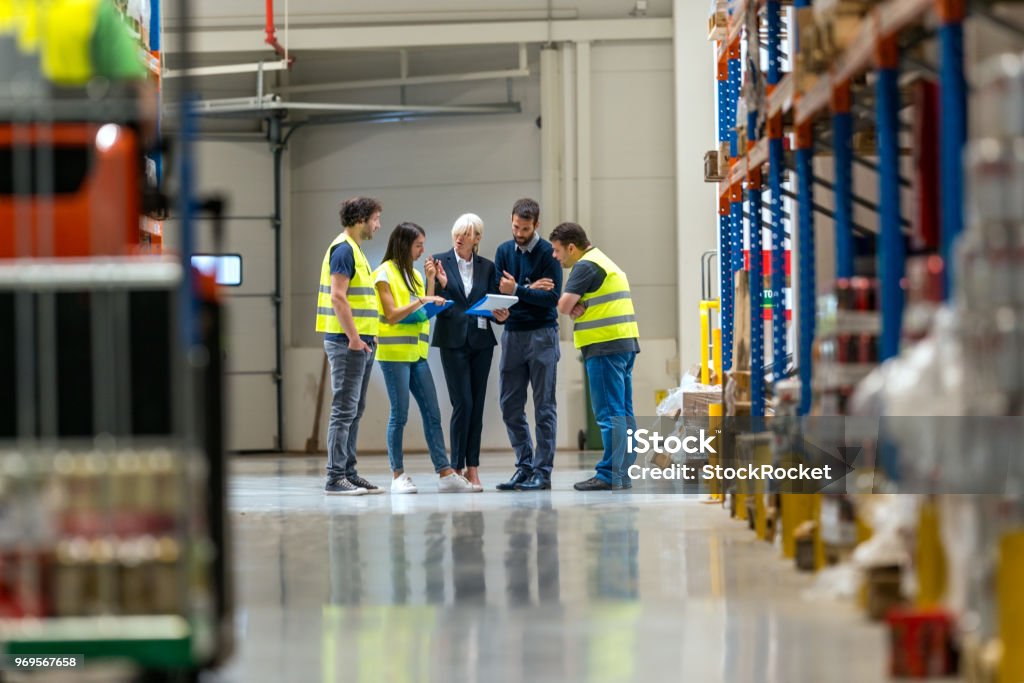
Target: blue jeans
(611, 397)
(401, 379)
(350, 375)
(530, 358)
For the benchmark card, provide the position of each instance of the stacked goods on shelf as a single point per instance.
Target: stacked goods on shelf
(991, 289)
(846, 347)
(718, 19)
(136, 15)
(94, 534)
(990, 301)
(825, 31)
(838, 22)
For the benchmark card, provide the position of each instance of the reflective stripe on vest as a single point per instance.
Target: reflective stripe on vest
(609, 315)
(362, 298)
(402, 342)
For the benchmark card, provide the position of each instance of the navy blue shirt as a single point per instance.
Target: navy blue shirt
(536, 308)
(586, 278)
(343, 262)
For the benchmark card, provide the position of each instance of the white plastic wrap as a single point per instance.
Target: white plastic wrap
(926, 380)
(893, 519)
(838, 583)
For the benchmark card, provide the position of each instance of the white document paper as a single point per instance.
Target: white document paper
(493, 302)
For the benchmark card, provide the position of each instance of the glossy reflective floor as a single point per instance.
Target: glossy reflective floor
(549, 586)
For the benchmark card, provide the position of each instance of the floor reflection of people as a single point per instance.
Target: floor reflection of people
(400, 564)
(346, 575)
(433, 559)
(532, 535)
(367, 642)
(614, 582)
(468, 563)
(614, 573)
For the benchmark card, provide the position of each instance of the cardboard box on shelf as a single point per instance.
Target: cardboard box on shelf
(697, 403)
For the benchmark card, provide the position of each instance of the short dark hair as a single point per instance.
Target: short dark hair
(526, 209)
(570, 233)
(358, 210)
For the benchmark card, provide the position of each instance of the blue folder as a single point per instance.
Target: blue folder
(429, 309)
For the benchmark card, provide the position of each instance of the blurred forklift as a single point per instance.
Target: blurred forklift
(113, 534)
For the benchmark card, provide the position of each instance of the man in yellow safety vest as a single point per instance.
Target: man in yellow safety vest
(596, 296)
(346, 312)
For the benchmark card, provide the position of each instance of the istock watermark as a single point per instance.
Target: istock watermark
(691, 453)
(642, 441)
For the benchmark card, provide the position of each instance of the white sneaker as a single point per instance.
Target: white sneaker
(403, 484)
(454, 483)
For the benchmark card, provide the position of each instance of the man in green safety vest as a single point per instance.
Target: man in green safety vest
(596, 296)
(346, 312)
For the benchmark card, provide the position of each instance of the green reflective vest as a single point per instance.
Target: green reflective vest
(609, 315)
(361, 297)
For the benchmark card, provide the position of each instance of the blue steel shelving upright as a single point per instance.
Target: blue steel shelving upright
(728, 95)
(776, 171)
(806, 287)
(952, 129)
(890, 244)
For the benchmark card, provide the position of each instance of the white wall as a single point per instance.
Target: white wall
(696, 203)
(242, 173)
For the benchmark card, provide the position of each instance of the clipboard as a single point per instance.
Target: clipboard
(485, 306)
(430, 309)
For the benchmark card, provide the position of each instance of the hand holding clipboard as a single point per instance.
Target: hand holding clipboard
(486, 306)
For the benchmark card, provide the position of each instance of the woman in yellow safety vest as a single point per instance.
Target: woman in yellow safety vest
(402, 343)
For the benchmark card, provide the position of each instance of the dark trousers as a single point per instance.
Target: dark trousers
(530, 359)
(465, 372)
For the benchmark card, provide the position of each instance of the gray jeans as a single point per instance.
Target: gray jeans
(530, 358)
(350, 375)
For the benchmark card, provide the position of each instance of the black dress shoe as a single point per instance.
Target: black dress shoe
(538, 482)
(592, 484)
(520, 477)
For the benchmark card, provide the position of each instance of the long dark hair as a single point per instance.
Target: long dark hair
(399, 250)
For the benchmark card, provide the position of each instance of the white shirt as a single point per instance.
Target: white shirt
(382, 276)
(466, 272)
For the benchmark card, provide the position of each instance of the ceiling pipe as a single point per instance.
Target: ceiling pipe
(271, 38)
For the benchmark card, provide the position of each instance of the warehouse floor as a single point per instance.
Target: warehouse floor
(547, 586)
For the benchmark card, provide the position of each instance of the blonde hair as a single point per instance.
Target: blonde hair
(468, 222)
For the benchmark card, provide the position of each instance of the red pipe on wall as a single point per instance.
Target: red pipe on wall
(271, 38)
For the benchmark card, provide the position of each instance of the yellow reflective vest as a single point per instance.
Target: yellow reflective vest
(361, 296)
(609, 315)
(402, 342)
(59, 31)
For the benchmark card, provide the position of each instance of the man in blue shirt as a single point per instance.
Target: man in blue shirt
(529, 346)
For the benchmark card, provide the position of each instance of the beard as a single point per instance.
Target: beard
(367, 233)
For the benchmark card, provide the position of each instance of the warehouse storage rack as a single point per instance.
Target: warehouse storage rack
(876, 48)
(114, 542)
(786, 127)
